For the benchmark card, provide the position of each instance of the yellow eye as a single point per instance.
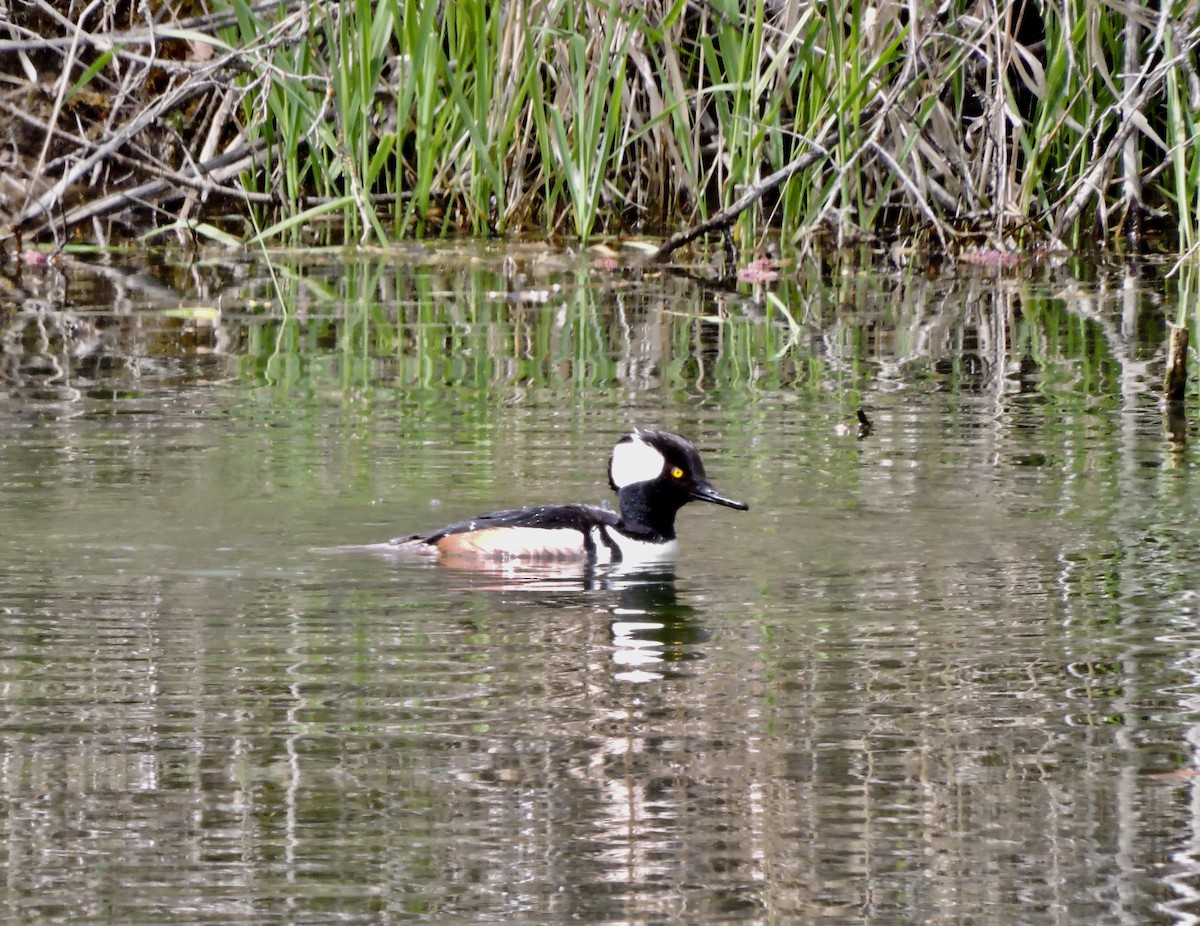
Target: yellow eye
(676, 473)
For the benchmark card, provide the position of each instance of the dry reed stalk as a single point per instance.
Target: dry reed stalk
(1175, 377)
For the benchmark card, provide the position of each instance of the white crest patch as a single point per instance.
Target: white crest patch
(635, 461)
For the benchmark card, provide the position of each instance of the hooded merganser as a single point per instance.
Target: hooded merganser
(654, 473)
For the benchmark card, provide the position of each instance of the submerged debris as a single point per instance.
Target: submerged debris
(864, 424)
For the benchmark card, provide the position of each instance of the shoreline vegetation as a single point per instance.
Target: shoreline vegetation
(942, 127)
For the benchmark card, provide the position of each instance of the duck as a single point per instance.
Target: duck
(653, 473)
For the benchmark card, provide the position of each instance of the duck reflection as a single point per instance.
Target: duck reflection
(651, 631)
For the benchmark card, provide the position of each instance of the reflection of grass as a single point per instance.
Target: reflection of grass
(381, 328)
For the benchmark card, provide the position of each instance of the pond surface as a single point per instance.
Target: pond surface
(946, 671)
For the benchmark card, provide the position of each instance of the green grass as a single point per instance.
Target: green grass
(942, 125)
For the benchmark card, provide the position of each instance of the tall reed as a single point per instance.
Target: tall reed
(999, 122)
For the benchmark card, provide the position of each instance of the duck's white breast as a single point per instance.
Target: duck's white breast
(639, 551)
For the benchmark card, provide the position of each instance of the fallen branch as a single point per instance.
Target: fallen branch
(875, 111)
(117, 141)
(208, 180)
(727, 216)
(46, 203)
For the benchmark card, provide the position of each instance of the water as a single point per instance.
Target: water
(946, 672)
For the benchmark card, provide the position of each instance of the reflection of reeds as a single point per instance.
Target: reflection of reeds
(1005, 123)
(422, 332)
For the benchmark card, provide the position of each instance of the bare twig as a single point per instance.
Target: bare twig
(63, 82)
(914, 191)
(215, 128)
(1130, 161)
(726, 217)
(107, 41)
(162, 105)
(160, 190)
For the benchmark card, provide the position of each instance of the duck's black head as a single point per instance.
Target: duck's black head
(655, 473)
